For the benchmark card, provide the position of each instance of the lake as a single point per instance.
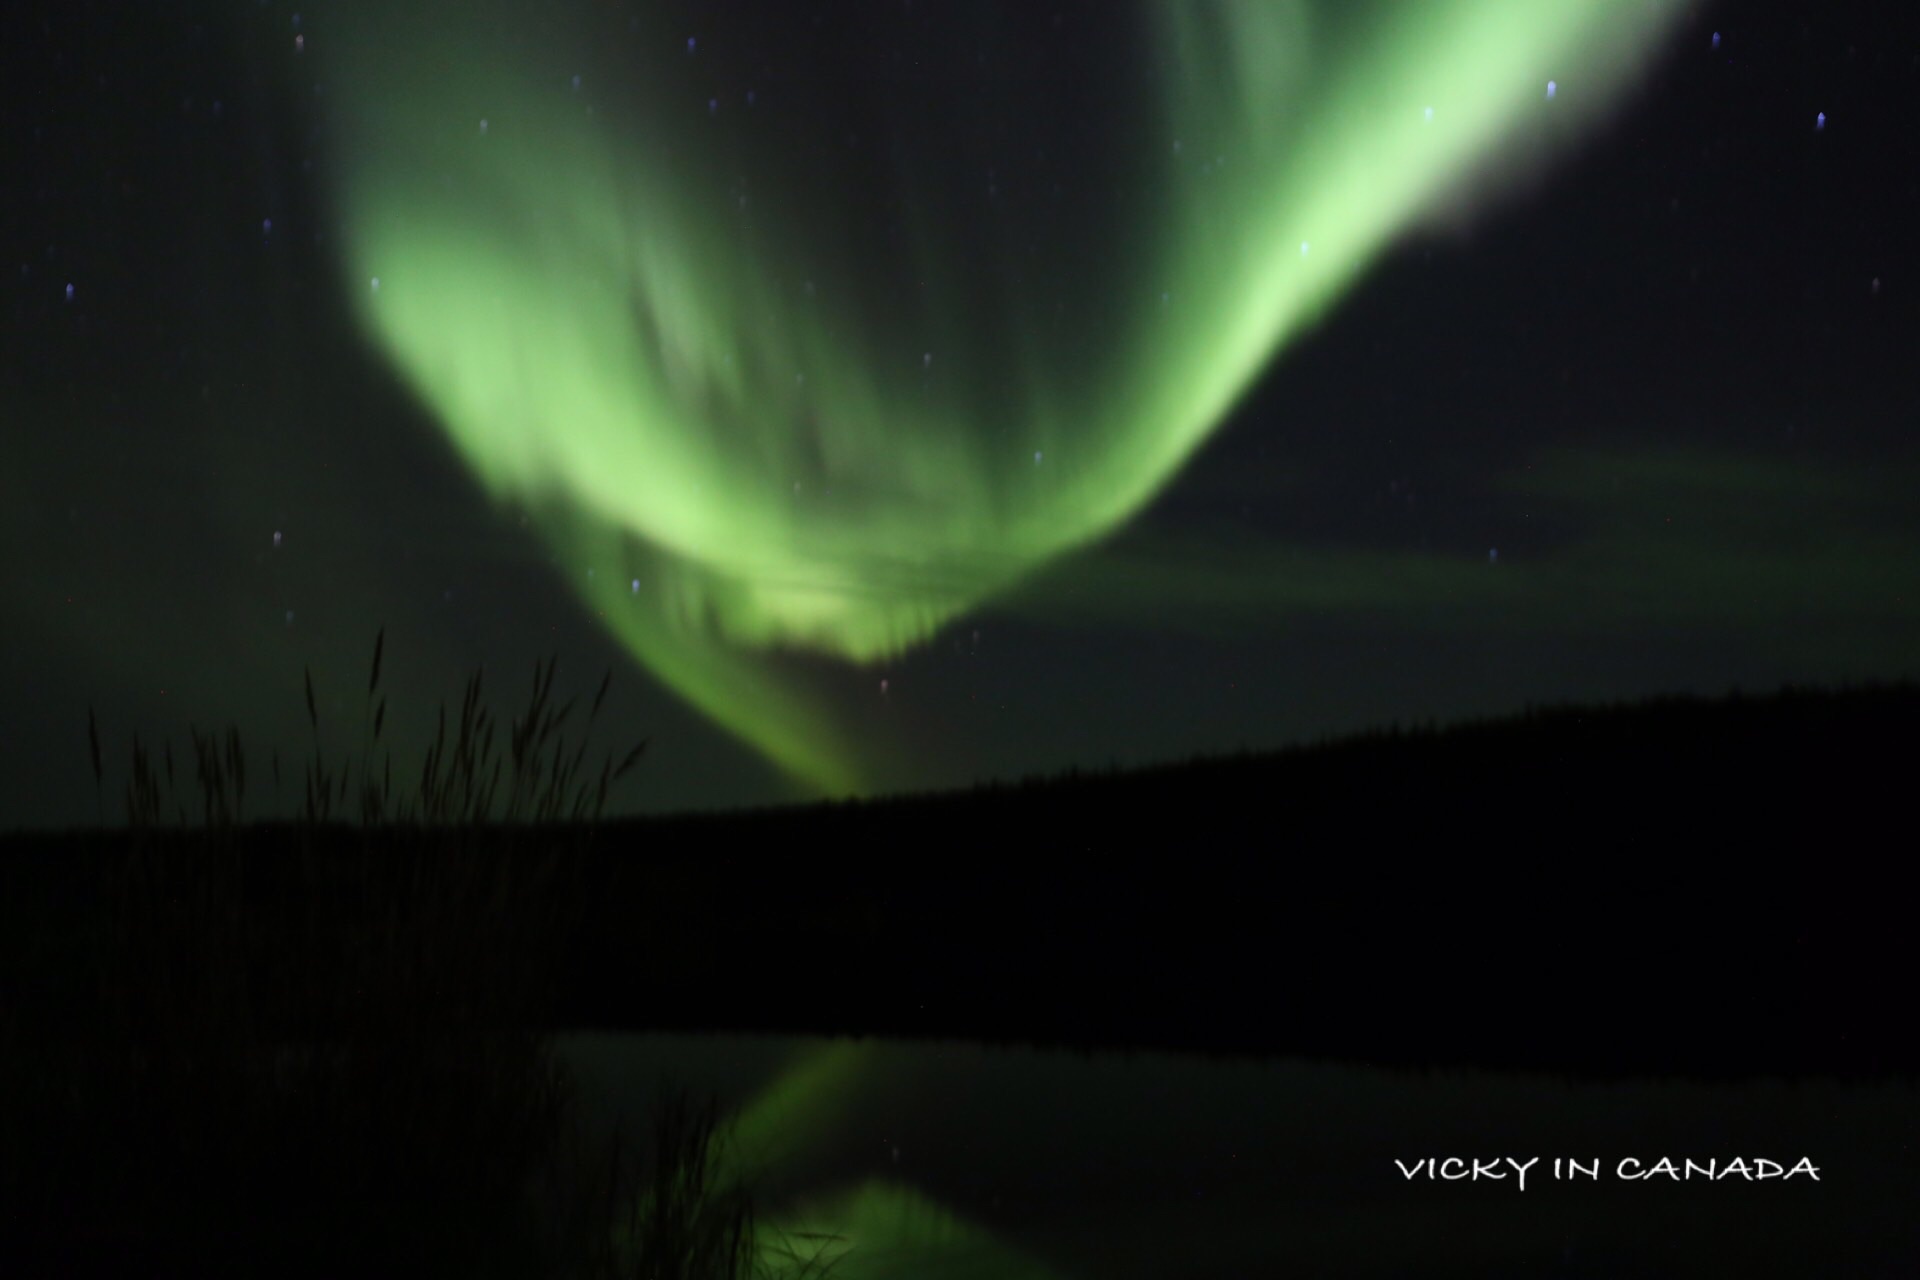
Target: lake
(937, 1158)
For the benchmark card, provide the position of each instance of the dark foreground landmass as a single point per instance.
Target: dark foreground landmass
(1673, 887)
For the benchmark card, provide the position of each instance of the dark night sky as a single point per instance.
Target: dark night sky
(1668, 376)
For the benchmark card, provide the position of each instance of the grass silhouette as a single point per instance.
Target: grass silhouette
(311, 1051)
(459, 780)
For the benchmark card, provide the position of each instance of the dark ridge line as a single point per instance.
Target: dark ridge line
(1886, 699)
(1331, 748)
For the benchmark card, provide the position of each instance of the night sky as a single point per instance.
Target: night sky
(898, 395)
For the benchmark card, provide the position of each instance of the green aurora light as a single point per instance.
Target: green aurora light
(662, 324)
(875, 1230)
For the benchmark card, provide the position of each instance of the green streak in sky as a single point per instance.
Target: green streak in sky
(809, 411)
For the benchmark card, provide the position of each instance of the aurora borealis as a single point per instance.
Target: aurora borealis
(899, 396)
(754, 461)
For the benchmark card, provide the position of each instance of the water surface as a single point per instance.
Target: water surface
(954, 1159)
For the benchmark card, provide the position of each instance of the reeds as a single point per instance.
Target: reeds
(460, 781)
(685, 1221)
(361, 1021)
(323, 1017)
(686, 1215)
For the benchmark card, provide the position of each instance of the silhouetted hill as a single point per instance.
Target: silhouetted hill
(1708, 882)
(1706, 886)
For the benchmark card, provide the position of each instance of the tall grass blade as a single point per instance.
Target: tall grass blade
(633, 758)
(93, 745)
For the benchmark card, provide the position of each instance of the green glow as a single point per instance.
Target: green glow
(883, 1230)
(608, 334)
(808, 1101)
(878, 1229)
(1814, 555)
